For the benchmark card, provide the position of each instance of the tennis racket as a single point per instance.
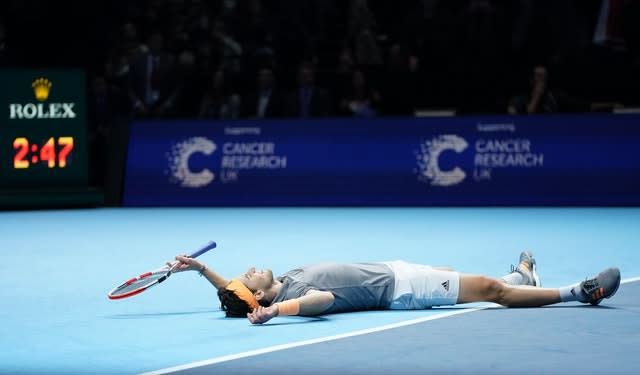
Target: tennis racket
(146, 280)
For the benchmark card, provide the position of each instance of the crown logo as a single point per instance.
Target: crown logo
(41, 87)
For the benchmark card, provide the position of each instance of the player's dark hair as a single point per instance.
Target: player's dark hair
(232, 305)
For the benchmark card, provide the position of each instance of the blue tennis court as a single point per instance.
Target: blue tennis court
(58, 266)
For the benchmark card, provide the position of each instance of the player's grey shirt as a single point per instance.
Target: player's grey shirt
(355, 286)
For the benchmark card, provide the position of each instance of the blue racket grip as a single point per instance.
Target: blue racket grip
(204, 249)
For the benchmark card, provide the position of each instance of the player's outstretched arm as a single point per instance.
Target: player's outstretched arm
(190, 264)
(315, 302)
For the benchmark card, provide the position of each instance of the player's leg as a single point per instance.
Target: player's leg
(478, 288)
(525, 273)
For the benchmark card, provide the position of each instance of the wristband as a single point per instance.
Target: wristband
(202, 270)
(290, 307)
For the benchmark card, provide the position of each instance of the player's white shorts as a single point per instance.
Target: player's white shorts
(421, 287)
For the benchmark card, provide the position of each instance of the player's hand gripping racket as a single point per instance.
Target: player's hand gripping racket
(146, 280)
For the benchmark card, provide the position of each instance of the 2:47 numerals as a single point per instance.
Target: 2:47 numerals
(28, 154)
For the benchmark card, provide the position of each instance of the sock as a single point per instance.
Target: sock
(572, 293)
(514, 278)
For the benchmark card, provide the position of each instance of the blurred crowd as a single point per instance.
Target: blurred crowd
(225, 59)
(228, 59)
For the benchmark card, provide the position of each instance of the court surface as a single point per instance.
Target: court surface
(58, 265)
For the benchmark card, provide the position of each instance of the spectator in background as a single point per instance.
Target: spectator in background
(206, 59)
(631, 29)
(482, 58)
(361, 33)
(118, 68)
(308, 100)
(179, 31)
(361, 99)
(400, 82)
(361, 17)
(263, 54)
(107, 104)
(219, 102)
(539, 99)
(189, 88)
(129, 41)
(340, 80)
(543, 98)
(266, 101)
(346, 63)
(152, 79)
(367, 50)
(251, 25)
(230, 50)
(126, 50)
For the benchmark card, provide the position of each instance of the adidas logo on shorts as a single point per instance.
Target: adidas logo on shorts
(445, 285)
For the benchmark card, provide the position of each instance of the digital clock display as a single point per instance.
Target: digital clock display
(43, 130)
(54, 152)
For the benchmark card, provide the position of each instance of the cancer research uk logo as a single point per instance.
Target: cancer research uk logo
(429, 155)
(488, 154)
(178, 159)
(236, 158)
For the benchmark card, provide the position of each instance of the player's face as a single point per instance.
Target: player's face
(256, 279)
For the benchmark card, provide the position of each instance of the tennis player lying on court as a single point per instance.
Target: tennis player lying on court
(333, 288)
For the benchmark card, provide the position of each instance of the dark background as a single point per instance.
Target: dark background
(472, 55)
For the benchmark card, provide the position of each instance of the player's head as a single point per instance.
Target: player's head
(246, 292)
(256, 280)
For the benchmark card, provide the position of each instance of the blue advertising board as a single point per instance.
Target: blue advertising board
(501, 160)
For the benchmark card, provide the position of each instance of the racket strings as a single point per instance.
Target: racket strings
(138, 283)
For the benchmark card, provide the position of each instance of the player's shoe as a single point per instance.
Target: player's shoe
(603, 285)
(527, 268)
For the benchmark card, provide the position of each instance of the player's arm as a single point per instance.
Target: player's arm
(191, 264)
(315, 302)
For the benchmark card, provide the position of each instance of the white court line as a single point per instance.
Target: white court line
(275, 348)
(311, 341)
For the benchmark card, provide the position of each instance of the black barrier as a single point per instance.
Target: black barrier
(545, 160)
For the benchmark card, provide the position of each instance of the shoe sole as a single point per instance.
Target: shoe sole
(536, 278)
(595, 303)
(534, 274)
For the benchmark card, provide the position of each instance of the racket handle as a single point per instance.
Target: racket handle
(204, 249)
